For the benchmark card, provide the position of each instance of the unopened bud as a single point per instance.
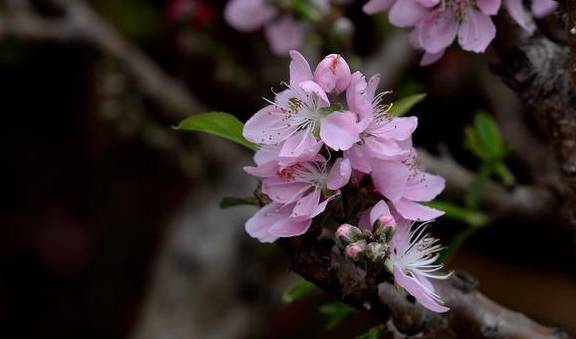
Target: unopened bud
(354, 250)
(376, 251)
(333, 74)
(347, 233)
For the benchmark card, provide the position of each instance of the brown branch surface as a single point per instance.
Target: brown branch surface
(472, 315)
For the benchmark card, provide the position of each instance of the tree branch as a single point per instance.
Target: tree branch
(472, 315)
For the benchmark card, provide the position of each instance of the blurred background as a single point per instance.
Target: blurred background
(110, 225)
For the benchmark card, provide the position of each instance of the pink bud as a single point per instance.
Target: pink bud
(348, 233)
(387, 220)
(333, 74)
(354, 250)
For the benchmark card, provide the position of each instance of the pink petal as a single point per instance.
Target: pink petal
(283, 191)
(258, 226)
(339, 130)
(428, 3)
(379, 210)
(313, 91)
(397, 128)
(430, 58)
(489, 7)
(517, 11)
(307, 205)
(541, 8)
(302, 145)
(390, 178)
(385, 149)
(415, 288)
(322, 206)
(415, 211)
(359, 160)
(406, 13)
(268, 127)
(290, 227)
(339, 174)
(248, 15)
(372, 87)
(424, 187)
(299, 69)
(266, 154)
(375, 6)
(265, 170)
(437, 30)
(401, 238)
(284, 35)
(476, 31)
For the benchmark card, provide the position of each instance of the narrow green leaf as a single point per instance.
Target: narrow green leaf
(459, 213)
(217, 123)
(297, 291)
(472, 143)
(489, 136)
(373, 333)
(404, 105)
(335, 313)
(504, 173)
(227, 202)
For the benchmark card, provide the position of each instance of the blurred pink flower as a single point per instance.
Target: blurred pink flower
(412, 261)
(539, 9)
(248, 15)
(284, 34)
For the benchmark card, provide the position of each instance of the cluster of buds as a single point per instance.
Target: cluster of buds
(313, 140)
(359, 244)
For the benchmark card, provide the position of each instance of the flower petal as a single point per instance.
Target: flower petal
(517, 11)
(339, 174)
(290, 227)
(299, 69)
(430, 58)
(284, 35)
(437, 30)
(258, 226)
(283, 191)
(390, 178)
(302, 146)
(476, 31)
(379, 210)
(375, 6)
(268, 126)
(248, 15)
(406, 13)
(489, 7)
(424, 186)
(541, 8)
(339, 130)
(313, 91)
(307, 205)
(414, 211)
(418, 291)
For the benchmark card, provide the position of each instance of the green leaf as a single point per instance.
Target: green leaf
(504, 173)
(373, 333)
(227, 202)
(489, 136)
(473, 144)
(218, 123)
(404, 105)
(298, 290)
(335, 313)
(459, 213)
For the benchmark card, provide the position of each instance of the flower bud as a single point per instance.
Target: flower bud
(347, 233)
(376, 251)
(333, 74)
(354, 250)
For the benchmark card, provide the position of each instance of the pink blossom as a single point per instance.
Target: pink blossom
(299, 113)
(274, 221)
(248, 15)
(539, 9)
(354, 250)
(406, 187)
(383, 136)
(284, 35)
(303, 183)
(412, 258)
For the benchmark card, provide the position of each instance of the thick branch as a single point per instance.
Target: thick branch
(537, 69)
(472, 315)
